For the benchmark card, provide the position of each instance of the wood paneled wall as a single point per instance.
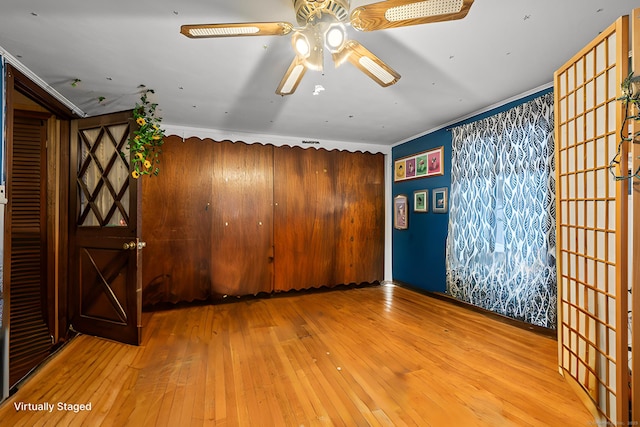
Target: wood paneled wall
(226, 218)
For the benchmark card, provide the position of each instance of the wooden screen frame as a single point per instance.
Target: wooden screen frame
(592, 313)
(635, 308)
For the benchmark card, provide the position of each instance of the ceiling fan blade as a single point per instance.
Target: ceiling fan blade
(401, 13)
(235, 30)
(367, 62)
(292, 77)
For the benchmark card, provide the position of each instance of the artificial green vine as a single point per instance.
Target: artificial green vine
(630, 97)
(147, 139)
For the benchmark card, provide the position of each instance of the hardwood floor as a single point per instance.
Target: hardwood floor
(379, 355)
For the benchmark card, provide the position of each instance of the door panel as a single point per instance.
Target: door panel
(359, 218)
(30, 336)
(105, 230)
(242, 250)
(304, 219)
(177, 220)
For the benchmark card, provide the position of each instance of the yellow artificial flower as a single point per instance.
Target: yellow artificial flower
(146, 139)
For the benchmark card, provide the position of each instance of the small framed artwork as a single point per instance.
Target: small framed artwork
(400, 212)
(420, 165)
(440, 200)
(421, 201)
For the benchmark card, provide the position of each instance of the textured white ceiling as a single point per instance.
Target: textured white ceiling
(503, 48)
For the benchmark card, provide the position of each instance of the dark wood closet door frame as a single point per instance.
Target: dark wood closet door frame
(54, 295)
(58, 244)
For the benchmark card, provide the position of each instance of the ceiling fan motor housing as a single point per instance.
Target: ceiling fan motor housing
(307, 9)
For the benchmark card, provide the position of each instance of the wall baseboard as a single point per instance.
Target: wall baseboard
(549, 333)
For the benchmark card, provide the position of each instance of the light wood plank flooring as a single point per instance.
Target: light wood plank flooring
(380, 355)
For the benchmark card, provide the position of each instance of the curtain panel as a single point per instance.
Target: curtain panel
(501, 237)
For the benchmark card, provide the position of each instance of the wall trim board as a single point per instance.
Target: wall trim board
(549, 333)
(185, 132)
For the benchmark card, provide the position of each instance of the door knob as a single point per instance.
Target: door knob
(133, 245)
(130, 245)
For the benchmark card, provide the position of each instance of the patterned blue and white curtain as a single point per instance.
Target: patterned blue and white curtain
(501, 242)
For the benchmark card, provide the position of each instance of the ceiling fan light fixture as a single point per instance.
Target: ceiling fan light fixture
(308, 44)
(301, 45)
(423, 9)
(335, 37)
(323, 26)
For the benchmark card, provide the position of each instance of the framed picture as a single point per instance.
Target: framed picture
(420, 165)
(440, 200)
(421, 201)
(400, 212)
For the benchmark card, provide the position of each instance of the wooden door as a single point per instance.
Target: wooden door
(304, 218)
(105, 229)
(591, 220)
(359, 204)
(242, 219)
(29, 334)
(177, 224)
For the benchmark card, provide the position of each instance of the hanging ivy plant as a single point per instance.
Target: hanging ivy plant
(630, 98)
(146, 141)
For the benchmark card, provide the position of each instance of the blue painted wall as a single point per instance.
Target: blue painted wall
(418, 253)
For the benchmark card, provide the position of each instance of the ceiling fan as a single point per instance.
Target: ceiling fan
(322, 25)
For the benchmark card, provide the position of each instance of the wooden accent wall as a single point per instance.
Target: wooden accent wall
(226, 218)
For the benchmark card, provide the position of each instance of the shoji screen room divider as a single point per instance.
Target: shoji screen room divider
(592, 224)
